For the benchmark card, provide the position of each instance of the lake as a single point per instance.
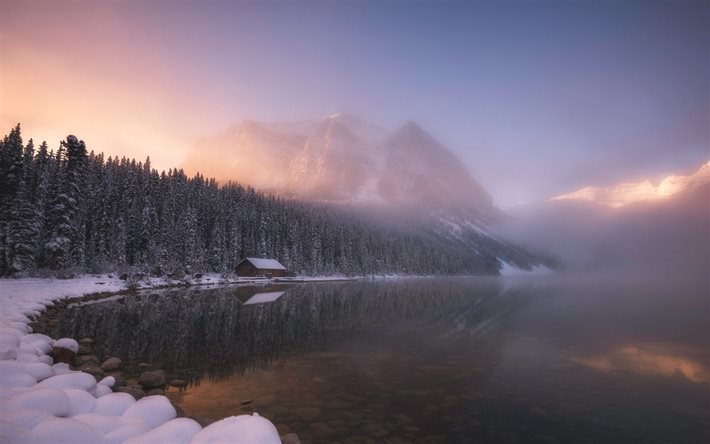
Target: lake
(540, 359)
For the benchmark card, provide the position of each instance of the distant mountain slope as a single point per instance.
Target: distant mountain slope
(630, 192)
(344, 159)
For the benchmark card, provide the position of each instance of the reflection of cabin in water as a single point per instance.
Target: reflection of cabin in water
(251, 294)
(253, 267)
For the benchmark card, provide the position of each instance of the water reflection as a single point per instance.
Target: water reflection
(222, 330)
(648, 360)
(431, 360)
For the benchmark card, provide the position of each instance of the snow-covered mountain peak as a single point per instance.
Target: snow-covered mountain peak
(343, 158)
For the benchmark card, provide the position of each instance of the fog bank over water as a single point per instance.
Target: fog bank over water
(670, 237)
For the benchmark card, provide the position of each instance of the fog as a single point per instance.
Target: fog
(669, 237)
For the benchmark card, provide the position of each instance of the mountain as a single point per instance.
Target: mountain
(631, 192)
(349, 163)
(344, 159)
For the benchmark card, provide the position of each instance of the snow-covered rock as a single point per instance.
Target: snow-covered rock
(80, 401)
(177, 431)
(125, 433)
(11, 433)
(108, 381)
(73, 380)
(67, 343)
(243, 429)
(114, 403)
(65, 431)
(26, 418)
(50, 400)
(153, 410)
(100, 422)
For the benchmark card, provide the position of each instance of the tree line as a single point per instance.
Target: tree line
(75, 211)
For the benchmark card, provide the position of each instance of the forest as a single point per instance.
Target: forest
(69, 211)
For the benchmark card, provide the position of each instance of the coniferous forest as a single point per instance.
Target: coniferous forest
(72, 211)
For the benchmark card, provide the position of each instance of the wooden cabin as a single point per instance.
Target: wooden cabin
(258, 267)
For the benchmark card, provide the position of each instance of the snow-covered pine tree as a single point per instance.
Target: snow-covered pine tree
(65, 247)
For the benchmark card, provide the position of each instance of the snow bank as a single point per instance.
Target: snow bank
(44, 402)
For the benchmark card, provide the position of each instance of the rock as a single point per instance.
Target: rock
(63, 355)
(85, 349)
(152, 379)
(133, 391)
(111, 363)
(144, 366)
(83, 359)
(290, 438)
(203, 421)
(123, 277)
(307, 413)
(198, 275)
(86, 341)
(155, 391)
(118, 376)
(91, 369)
(178, 383)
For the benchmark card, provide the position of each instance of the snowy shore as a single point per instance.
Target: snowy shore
(44, 402)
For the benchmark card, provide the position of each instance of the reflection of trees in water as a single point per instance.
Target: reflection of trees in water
(212, 329)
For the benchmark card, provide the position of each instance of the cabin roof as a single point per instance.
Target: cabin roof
(265, 264)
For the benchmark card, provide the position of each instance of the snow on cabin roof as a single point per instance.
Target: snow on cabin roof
(263, 298)
(266, 264)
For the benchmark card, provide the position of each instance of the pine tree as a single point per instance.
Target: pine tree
(65, 247)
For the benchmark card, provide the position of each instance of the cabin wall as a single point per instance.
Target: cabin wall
(246, 270)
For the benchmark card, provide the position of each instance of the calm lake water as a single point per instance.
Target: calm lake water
(431, 360)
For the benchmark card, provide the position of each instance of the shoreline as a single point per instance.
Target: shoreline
(45, 400)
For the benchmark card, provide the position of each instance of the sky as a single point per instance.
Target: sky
(536, 97)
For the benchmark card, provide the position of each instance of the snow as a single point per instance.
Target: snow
(126, 432)
(243, 429)
(26, 418)
(263, 298)
(44, 402)
(10, 433)
(73, 380)
(65, 431)
(80, 401)
(100, 422)
(509, 269)
(108, 381)
(153, 410)
(67, 343)
(114, 403)
(177, 431)
(49, 400)
(267, 264)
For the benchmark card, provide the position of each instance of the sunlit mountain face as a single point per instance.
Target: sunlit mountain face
(344, 159)
(630, 192)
